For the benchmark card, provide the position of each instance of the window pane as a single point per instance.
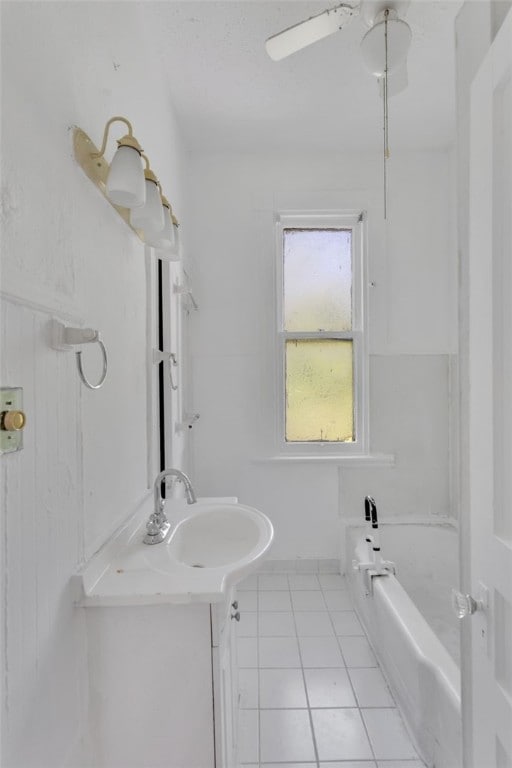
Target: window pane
(319, 390)
(317, 279)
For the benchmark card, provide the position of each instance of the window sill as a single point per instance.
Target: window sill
(360, 460)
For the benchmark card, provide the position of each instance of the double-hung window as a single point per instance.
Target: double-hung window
(321, 334)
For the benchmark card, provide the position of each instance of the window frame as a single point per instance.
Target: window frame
(355, 220)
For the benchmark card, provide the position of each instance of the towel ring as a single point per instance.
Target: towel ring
(81, 373)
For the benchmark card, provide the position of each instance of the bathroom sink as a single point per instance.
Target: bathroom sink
(212, 545)
(213, 535)
(219, 535)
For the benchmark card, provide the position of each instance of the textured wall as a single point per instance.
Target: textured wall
(65, 252)
(412, 326)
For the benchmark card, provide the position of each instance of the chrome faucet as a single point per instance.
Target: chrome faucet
(158, 525)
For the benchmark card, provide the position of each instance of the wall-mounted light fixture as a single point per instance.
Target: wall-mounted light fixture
(134, 191)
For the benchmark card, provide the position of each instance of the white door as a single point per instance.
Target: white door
(489, 675)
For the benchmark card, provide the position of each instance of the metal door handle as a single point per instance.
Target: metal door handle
(236, 615)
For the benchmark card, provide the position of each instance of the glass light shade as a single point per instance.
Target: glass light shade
(373, 47)
(125, 182)
(165, 238)
(150, 216)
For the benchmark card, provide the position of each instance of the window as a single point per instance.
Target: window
(322, 350)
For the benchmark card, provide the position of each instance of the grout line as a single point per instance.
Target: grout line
(258, 667)
(313, 735)
(352, 686)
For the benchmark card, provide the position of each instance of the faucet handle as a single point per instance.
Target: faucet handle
(152, 526)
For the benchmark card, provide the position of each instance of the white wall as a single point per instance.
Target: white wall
(65, 252)
(412, 323)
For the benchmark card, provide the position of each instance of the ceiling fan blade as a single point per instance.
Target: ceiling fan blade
(310, 31)
(397, 81)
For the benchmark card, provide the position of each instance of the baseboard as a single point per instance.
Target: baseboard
(300, 565)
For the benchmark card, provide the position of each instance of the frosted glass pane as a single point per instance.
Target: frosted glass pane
(319, 390)
(317, 280)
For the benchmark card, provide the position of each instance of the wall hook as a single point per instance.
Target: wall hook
(64, 338)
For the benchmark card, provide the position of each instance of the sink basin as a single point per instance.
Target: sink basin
(217, 536)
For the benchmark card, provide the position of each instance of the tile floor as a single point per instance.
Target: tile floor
(311, 692)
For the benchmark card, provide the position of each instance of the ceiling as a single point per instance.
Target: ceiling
(229, 95)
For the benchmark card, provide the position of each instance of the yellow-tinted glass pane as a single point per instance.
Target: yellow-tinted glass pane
(317, 279)
(319, 390)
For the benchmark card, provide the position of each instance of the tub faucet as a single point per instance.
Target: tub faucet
(158, 525)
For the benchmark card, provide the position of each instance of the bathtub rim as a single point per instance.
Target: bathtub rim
(434, 741)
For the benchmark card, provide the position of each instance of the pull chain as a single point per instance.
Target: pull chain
(385, 101)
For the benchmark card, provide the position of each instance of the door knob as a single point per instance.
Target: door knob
(466, 605)
(236, 615)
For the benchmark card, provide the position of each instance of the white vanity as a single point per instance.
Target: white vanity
(162, 637)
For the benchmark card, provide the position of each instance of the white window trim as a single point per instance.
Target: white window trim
(346, 219)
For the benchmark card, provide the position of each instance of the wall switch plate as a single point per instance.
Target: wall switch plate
(11, 399)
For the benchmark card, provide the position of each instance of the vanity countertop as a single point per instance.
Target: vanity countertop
(127, 572)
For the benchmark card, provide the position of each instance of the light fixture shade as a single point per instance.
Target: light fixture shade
(150, 216)
(373, 47)
(164, 239)
(125, 182)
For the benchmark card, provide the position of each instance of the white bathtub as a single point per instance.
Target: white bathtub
(422, 673)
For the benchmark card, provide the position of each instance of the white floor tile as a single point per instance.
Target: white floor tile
(274, 601)
(387, 734)
(247, 652)
(357, 652)
(337, 600)
(346, 623)
(276, 624)
(291, 765)
(332, 581)
(285, 735)
(320, 652)
(400, 764)
(273, 581)
(313, 624)
(340, 735)
(329, 688)
(250, 583)
(248, 688)
(308, 601)
(280, 652)
(303, 581)
(247, 626)
(370, 688)
(248, 751)
(282, 688)
(345, 764)
(247, 601)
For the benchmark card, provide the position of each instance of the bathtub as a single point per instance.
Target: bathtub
(410, 626)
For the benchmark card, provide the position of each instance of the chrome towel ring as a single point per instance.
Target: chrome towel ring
(81, 373)
(65, 338)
